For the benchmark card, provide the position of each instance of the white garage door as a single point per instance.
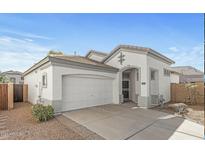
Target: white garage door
(82, 91)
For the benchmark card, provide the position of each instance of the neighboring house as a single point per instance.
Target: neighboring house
(174, 76)
(14, 76)
(127, 73)
(188, 74)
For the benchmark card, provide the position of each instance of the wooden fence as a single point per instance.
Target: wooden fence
(181, 93)
(3, 96)
(10, 93)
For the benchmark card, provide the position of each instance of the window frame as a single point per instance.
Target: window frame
(137, 75)
(13, 80)
(152, 76)
(44, 80)
(167, 72)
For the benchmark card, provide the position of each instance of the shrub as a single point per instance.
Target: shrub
(42, 112)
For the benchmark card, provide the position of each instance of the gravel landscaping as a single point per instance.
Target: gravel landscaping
(194, 112)
(19, 124)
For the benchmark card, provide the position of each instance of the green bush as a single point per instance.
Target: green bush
(42, 112)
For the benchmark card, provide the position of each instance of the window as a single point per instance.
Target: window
(125, 84)
(166, 72)
(13, 80)
(152, 75)
(137, 75)
(44, 80)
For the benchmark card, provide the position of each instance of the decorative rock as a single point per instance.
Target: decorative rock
(178, 107)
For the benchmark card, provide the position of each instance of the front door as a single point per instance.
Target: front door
(125, 90)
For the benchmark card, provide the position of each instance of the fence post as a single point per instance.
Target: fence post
(25, 93)
(10, 96)
(172, 92)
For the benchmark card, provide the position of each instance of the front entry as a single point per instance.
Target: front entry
(125, 90)
(130, 85)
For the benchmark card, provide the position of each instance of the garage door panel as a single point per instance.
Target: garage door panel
(80, 92)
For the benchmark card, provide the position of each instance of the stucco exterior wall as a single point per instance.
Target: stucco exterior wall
(164, 81)
(174, 78)
(35, 89)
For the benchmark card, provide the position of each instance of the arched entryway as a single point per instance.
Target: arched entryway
(130, 84)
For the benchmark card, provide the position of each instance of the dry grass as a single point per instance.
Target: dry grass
(194, 112)
(21, 125)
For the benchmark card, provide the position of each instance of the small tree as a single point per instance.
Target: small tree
(52, 52)
(3, 79)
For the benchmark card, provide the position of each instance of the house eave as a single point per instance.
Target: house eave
(54, 60)
(37, 65)
(159, 55)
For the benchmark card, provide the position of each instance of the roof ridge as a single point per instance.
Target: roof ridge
(133, 46)
(67, 56)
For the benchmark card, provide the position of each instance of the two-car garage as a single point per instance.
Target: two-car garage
(80, 91)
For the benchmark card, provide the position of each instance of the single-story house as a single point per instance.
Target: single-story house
(127, 73)
(15, 77)
(188, 74)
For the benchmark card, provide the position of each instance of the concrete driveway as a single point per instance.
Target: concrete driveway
(127, 121)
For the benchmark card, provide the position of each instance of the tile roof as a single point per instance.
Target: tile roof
(187, 70)
(96, 52)
(12, 72)
(83, 60)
